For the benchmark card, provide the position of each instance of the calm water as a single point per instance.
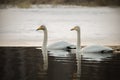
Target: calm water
(25, 63)
(98, 24)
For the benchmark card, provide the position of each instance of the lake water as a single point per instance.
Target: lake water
(99, 25)
(25, 63)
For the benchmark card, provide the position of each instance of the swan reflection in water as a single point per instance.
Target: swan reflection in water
(63, 66)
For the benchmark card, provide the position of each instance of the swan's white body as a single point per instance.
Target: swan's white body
(96, 49)
(62, 45)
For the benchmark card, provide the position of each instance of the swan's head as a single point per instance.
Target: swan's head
(77, 28)
(42, 27)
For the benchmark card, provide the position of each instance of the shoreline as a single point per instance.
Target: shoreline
(2, 6)
(115, 47)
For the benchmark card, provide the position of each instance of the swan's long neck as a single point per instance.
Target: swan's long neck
(78, 53)
(45, 40)
(44, 50)
(78, 41)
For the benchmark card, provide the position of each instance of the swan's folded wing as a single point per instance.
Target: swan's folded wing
(60, 46)
(96, 48)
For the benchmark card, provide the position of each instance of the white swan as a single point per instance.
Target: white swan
(56, 47)
(96, 49)
(90, 48)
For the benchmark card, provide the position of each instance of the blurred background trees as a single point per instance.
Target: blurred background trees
(72, 2)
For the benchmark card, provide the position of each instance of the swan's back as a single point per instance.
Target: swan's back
(60, 46)
(97, 48)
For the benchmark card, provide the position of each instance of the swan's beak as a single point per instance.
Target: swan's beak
(40, 28)
(72, 29)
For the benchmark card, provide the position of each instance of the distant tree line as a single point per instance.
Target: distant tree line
(72, 2)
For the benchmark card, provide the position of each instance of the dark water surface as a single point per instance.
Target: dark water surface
(25, 63)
